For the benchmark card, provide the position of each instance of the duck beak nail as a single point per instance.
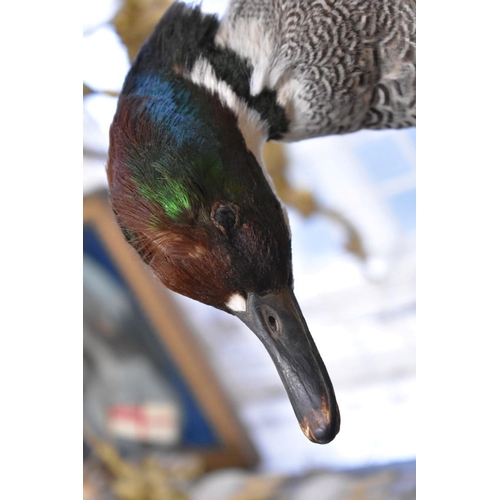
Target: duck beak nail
(277, 320)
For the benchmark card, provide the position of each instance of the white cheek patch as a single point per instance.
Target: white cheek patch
(237, 303)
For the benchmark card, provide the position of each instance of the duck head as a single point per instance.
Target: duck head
(193, 200)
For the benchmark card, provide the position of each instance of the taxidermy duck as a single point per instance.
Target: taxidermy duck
(186, 177)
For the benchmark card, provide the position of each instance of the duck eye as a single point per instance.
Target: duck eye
(225, 217)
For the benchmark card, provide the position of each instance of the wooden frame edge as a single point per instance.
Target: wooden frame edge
(237, 450)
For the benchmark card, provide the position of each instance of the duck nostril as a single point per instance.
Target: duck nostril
(272, 323)
(270, 320)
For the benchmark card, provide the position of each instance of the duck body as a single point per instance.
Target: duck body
(186, 177)
(337, 66)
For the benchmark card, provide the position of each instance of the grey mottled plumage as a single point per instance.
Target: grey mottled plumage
(337, 65)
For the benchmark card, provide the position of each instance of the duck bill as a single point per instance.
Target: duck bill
(277, 320)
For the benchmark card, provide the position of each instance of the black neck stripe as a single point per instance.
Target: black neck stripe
(237, 73)
(183, 35)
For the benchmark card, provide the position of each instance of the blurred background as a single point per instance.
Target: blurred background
(352, 215)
